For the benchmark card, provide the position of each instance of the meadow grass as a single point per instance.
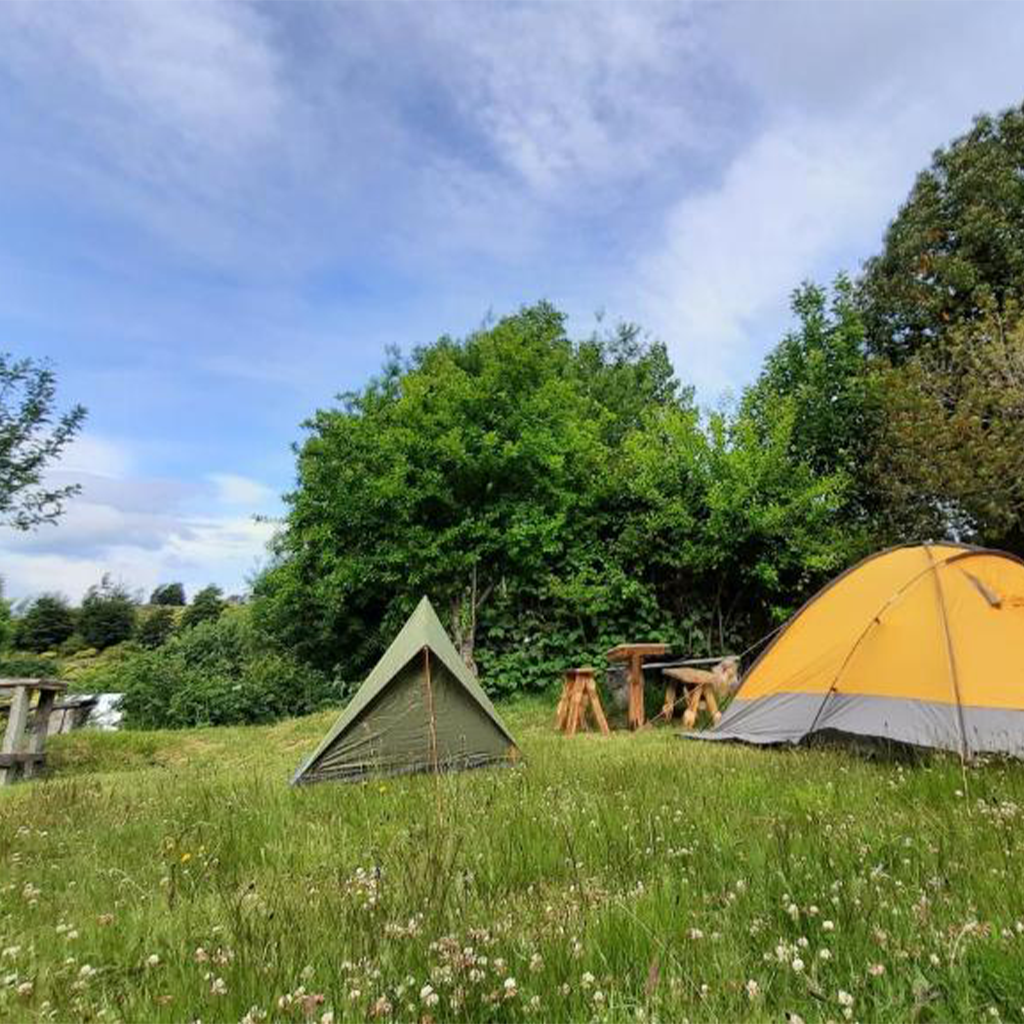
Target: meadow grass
(177, 876)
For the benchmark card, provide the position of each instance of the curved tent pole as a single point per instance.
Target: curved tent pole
(876, 620)
(951, 654)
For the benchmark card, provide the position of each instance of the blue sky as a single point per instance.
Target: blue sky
(214, 217)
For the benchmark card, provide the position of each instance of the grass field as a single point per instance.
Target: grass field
(176, 876)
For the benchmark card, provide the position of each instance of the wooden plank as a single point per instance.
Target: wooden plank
(17, 716)
(623, 652)
(24, 757)
(36, 684)
(39, 729)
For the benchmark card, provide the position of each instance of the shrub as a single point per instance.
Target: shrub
(46, 624)
(27, 666)
(156, 627)
(107, 615)
(221, 672)
(206, 606)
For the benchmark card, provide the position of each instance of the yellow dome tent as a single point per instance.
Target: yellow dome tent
(920, 645)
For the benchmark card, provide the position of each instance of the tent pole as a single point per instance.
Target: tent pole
(941, 595)
(430, 708)
(875, 621)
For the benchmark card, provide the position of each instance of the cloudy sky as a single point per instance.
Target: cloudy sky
(213, 217)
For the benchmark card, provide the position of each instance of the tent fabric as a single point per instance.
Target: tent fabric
(420, 708)
(921, 645)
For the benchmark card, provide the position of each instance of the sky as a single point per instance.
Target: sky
(214, 217)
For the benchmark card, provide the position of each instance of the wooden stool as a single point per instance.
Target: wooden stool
(24, 746)
(579, 693)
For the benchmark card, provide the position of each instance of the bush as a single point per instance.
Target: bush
(223, 672)
(46, 624)
(107, 615)
(206, 606)
(156, 627)
(25, 666)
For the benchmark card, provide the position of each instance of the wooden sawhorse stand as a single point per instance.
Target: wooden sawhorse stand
(701, 687)
(23, 752)
(578, 694)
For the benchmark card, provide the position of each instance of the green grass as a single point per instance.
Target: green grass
(637, 878)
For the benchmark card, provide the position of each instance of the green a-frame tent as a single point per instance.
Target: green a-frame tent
(419, 710)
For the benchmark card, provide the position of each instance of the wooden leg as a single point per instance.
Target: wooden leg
(563, 703)
(670, 700)
(17, 717)
(595, 706)
(40, 727)
(712, 702)
(636, 693)
(575, 706)
(692, 704)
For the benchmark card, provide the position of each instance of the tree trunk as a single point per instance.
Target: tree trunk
(464, 607)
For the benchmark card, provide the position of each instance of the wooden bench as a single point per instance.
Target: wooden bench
(23, 752)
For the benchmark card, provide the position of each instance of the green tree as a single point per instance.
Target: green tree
(107, 615)
(956, 247)
(46, 624)
(32, 436)
(155, 627)
(170, 594)
(822, 372)
(469, 473)
(555, 497)
(206, 606)
(950, 462)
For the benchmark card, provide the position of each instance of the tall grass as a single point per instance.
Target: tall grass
(177, 877)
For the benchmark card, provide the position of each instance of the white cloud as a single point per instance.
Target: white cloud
(142, 530)
(95, 455)
(799, 198)
(240, 490)
(850, 101)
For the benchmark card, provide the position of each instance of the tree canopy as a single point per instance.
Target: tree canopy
(553, 496)
(955, 249)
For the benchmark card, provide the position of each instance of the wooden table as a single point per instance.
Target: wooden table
(633, 655)
(23, 752)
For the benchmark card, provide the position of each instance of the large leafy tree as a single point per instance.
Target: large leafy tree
(950, 459)
(32, 436)
(553, 497)
(470, 473)
(822, 367)
(956, 247)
